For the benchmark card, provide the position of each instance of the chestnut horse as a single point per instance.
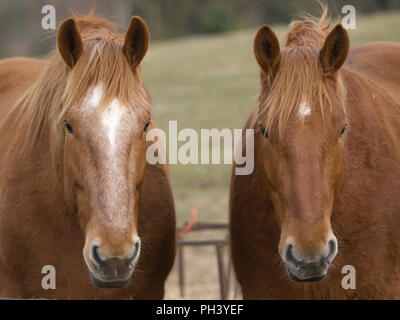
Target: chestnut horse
(74, 177)
(326, 181)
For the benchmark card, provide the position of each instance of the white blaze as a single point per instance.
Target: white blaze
(96, 96)
(111, 120)
(111, 135)
(304, 109)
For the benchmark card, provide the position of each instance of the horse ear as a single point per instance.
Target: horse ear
(266, 49)
(335, 50)
(136, 41)
(69, 42)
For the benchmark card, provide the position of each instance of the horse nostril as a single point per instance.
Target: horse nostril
(135, 255)
(94, 255)
(332, 244)
(290, 259)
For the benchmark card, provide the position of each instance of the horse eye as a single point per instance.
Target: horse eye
(342, 132)
(264, 132)
(147, 124)
(68, 126)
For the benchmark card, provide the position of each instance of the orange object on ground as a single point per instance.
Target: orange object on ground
(190, 224)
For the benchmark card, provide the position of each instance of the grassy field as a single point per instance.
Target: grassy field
(212, 82)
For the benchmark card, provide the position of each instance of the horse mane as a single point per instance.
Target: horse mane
(44, 105)
(299, 77)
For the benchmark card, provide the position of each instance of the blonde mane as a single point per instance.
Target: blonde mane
(44, 104)
(299, 77)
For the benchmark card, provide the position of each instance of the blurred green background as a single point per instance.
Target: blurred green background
(21, 33)
(200, 71)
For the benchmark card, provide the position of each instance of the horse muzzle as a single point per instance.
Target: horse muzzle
(109, 283)
(309, 270)
(113, 272)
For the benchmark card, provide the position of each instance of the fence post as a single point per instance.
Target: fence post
(181, 270)
(221, 271)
